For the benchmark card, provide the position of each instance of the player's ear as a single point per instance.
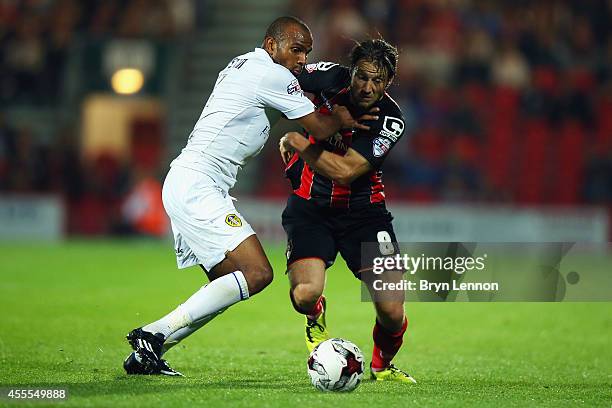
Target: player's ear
(269, 45)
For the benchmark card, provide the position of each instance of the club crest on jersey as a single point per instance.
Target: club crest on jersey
(380, 146)
(233, 220)
(392, 128)
(294, 88)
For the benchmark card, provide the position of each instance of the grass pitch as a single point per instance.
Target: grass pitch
(66, 309)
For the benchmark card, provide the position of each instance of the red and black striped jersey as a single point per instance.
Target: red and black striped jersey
(329, 83)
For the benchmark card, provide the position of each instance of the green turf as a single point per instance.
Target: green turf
(66, 308)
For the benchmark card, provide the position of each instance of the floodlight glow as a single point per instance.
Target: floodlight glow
(127, 81)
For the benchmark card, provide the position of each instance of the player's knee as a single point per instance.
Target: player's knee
(258, 277)
(392, 317)
(305, 297)
(266, 276)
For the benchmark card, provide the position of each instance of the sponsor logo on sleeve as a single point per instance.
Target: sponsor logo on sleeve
(233, 220)
(380, 146)
(392, 128)
(294, 88)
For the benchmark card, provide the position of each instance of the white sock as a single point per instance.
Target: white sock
(181, 334)
(210, 299)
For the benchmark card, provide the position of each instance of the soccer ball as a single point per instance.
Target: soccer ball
(336, 365)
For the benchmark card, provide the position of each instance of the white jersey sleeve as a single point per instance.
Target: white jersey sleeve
(280, 90)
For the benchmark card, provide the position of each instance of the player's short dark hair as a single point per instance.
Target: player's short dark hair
(278, 28)
(378, 51)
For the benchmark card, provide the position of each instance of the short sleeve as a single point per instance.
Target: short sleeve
(280, 90)
(376, 143)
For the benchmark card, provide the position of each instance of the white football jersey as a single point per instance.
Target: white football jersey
(236, 120)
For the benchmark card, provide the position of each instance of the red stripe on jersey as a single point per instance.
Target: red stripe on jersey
(305, 188)
(307, 177)
(292, 161)
(340, 195)
(377, 194)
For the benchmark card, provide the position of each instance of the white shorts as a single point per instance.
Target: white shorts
(204, 221)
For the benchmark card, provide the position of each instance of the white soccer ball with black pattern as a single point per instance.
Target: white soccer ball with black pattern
(336, 365)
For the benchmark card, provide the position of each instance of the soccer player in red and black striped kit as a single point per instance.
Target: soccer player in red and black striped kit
(338, 199)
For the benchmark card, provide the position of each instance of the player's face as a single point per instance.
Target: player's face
(293, 50)
(368, 84)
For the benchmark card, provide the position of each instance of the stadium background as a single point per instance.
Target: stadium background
(508, 111)
(506, 104)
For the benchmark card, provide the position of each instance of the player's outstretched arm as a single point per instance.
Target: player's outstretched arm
(341, 169)
(321, 127)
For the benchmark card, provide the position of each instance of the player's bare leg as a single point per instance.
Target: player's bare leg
(244, 272)
(249, 258)
(390, 315)
(307, 280)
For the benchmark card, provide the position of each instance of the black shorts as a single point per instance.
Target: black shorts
(319, 232)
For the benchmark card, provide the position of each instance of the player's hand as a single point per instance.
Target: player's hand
(286, 151)
(344, 116)
(348, 122)
(370, 115)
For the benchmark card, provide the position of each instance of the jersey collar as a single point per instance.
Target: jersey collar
(261, 51)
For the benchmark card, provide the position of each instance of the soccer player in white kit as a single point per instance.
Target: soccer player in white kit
(207, 228)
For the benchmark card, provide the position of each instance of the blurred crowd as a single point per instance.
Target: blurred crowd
(35, 37)
(504, 101)
(104, 195)
(101, 195)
